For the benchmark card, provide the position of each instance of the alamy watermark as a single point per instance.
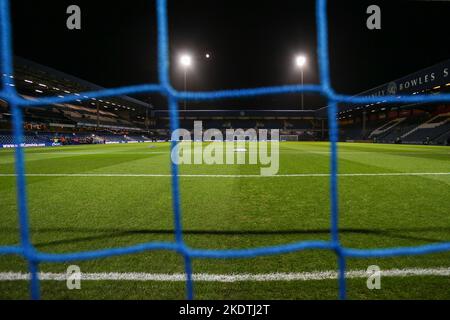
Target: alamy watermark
(73, 277)
(238, 147)
(73, 22)
(374, 279)
(374, 20)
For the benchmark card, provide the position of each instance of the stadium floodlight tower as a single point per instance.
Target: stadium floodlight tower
(300, 62)
(186, 62)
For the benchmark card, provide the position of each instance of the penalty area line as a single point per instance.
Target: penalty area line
(246, 277)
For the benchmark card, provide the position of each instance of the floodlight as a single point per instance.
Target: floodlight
(300, 61)
(186, 60)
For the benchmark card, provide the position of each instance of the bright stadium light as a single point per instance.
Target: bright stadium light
(300, 61)
(186, 60)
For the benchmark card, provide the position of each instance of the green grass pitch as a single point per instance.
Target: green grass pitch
(75, 213)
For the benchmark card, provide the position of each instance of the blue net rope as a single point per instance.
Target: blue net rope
(17, 103)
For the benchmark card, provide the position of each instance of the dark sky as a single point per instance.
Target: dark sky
(252, 43)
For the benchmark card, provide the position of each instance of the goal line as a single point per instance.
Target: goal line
(245, 277)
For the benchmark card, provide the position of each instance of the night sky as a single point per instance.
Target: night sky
(252, 43)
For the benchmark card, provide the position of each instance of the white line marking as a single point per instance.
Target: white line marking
(302, 152)
(246, 277)
(144, 175)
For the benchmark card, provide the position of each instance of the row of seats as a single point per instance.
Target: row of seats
(243, 124)
(427, 134)
(27, 139)
(417, 130)
(7, 138)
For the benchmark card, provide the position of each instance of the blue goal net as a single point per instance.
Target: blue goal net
(34, 257)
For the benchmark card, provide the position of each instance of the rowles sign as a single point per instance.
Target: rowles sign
(438, 75)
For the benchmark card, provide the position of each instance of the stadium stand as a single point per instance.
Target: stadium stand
(415, 123)
(394, 133)
(386, 128)
(70, 138)
(8, 139)
(118, 119)
(428, 131)
(380, 123)
(305, 124)
(33, 80)
(375, 122)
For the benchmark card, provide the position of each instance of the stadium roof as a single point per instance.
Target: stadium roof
(35, 78)
(431, 80)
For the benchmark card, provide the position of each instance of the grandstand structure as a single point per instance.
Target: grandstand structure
(124, 119)
(410, 123)
(306, 125)
(109, 120)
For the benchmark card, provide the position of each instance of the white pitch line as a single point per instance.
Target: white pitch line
(144, 175)
(302, 152)
(246, 277)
